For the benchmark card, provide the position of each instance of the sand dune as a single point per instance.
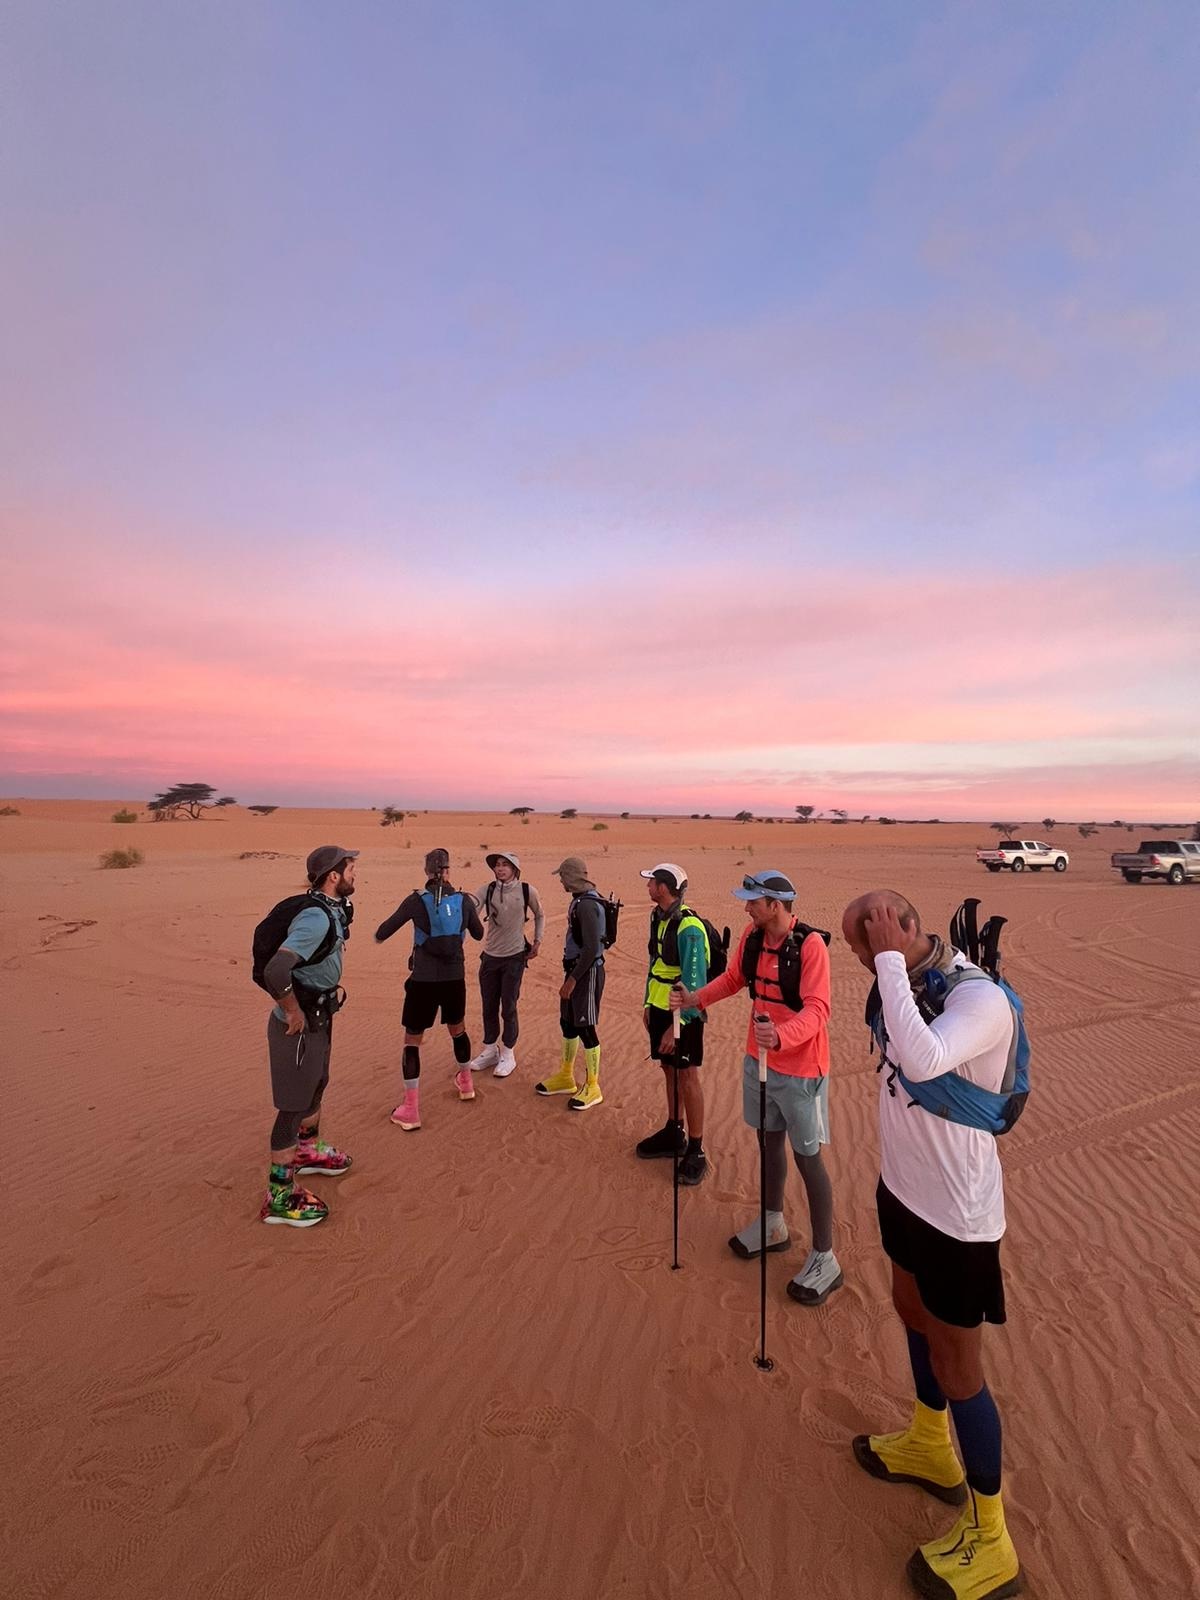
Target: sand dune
(480, 1377)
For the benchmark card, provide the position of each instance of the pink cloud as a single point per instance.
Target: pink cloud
(384, 687)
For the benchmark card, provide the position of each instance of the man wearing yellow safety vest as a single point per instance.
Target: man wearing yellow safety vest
(678, 953)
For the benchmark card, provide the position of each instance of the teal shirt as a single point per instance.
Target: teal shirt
(304, 936)
(693, 966)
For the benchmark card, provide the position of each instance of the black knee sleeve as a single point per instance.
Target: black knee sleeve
(462, 1048)
(286, 1130)
(588, 1036)
(412, 1061)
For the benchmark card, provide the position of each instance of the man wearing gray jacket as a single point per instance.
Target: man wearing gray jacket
(507, 903)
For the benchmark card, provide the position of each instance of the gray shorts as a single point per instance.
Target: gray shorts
(801, 1105)
(299, 1065)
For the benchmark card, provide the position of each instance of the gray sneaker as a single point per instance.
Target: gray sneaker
(817, 1279)
(748, 1243)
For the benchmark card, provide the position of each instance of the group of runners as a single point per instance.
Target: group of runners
(939, 1196)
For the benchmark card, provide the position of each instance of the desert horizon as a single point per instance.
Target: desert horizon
(487, 1326)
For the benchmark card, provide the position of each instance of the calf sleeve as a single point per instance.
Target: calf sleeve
(462, 1048)
(412, 1063)
(286, 1130)
(775, 1161)
(977, 1424)
(820, 1199)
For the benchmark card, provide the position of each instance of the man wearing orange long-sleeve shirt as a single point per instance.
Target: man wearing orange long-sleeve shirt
(786, 968)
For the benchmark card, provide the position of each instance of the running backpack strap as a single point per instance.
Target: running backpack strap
(751, 951)
(487, 899)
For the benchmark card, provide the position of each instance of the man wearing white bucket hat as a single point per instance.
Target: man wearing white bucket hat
(507, 904)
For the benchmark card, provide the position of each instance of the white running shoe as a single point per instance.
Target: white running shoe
(487, 1057)
(506, 1063)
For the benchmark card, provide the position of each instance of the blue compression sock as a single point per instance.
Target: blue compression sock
(929, 1390)
(977, 1424)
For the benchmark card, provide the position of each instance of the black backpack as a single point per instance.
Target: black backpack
(789, 963)
(718, 943)
(490, 891)
(612, 913)
(272, 931)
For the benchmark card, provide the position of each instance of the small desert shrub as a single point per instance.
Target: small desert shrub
(9, 811)
(122, 858)
(599, 827)
(124, 816)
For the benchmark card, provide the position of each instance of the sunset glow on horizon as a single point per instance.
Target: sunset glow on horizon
(684, 413)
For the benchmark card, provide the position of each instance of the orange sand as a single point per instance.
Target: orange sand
(480, 1377)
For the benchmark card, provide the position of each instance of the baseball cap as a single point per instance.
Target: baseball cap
(666, 872)
(763, 885)
(324, 858)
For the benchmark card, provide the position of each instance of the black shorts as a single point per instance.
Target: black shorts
(959, 1281)
(582, 1010)
(299, 1065)
(689, 1052)
(423, 1001)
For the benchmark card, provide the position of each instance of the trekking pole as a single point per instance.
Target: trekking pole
(675, 1027)
(762, 1361)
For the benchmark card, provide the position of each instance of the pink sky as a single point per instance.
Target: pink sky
(956, 695)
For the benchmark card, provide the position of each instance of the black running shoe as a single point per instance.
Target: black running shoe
(668, 1141)
(693, 1169)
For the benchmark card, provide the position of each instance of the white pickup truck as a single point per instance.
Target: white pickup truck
(1173, 860)
(1017, 854)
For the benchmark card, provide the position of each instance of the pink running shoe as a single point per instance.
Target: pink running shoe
(465, 1084)
(407, 1114)
(314, 1155)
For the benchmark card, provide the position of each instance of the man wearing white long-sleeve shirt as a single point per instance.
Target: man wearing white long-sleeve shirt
(941, 1216)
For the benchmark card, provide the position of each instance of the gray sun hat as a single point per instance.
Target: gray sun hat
(503, 855)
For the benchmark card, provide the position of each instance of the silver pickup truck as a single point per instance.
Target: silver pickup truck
(1017, 854)
(1172, 860)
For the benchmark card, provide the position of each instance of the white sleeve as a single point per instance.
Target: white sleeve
(976, 1019)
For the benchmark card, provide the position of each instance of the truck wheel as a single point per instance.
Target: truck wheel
(1019, 864)
(1176, 874)
(1132, 877)
(991, 866)
(1060, 864)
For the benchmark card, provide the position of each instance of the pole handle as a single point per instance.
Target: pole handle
(760, 1016)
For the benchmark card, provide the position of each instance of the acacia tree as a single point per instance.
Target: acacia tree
(569, 814)
(1004, 829)
(262, 811)
(520, 811)
(839, 816)
(1049, 824)
(1087, 829)
(804, 812)
(186, 799)
(390, 816)
(744, 816)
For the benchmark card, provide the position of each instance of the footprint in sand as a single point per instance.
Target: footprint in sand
(539, 1422)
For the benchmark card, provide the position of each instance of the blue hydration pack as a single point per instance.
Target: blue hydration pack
(951, 1096)
(447, 925)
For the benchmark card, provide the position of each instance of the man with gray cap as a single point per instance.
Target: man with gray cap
(785, 965)
(442, 917)
(582, 988)
(507, 903)
(303, 974)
